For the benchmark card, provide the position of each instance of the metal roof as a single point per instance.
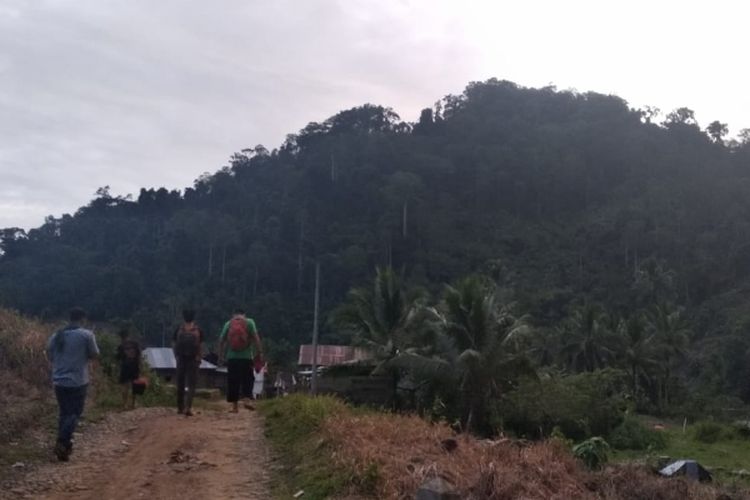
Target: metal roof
(162, 358)
(330, 355)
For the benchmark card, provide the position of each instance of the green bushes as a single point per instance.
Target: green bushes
(633, 435)
(708, 431)
(583, 405)
(594, 452)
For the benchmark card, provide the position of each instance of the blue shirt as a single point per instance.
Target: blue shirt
(70, 350)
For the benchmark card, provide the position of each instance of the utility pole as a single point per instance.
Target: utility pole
(314, 380)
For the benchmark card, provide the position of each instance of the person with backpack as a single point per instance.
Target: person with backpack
(69, 351)
(129, 356)
(187, 346)
(239, 344)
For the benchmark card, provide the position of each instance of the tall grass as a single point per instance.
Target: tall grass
(23, 345)
(294, 427)
(333, 450)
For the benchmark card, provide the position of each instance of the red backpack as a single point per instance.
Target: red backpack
(238, 336)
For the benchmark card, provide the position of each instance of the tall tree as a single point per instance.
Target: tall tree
(589, 344)
(485, 334)
(383, 319)
(670, 331)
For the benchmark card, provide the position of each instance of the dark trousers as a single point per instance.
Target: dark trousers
(187, 375)
(239, 379)
(71, 401)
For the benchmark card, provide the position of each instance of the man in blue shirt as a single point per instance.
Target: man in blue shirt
(70, 350)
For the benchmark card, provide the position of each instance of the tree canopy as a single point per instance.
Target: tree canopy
(561, 198)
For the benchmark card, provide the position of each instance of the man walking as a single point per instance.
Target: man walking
(70, 350)
(129, 357)
(239, 343)
(187, 346)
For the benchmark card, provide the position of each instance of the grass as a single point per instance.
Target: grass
(730, 452)
(293, 426)
(330, 450)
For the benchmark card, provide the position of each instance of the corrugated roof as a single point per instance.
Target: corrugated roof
(330, 355)
(162, 358)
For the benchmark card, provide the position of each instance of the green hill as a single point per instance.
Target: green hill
(560, 197)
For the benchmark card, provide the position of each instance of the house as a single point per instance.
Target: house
(346, 372)
(332, 355)
(161, 360)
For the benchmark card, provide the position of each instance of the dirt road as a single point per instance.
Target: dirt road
(156, 454)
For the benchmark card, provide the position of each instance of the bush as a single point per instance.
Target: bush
(594, 452)
(742, 428)
(709, 431)
(580, 405)
(631, 434)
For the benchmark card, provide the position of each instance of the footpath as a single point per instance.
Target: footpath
(153, 453)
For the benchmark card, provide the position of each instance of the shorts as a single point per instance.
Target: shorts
(129, 372)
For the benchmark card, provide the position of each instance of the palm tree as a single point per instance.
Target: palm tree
(383, 320)
(638, 350)
(485, 336)
(670, 330)
(590, 342)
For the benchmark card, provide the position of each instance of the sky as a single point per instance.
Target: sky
(144, 93)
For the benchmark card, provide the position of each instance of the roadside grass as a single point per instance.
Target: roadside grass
(293, 426)
(330, 450)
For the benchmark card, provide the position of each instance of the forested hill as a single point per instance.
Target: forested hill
(559, 196)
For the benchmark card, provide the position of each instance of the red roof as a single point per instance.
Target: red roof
(329, 355)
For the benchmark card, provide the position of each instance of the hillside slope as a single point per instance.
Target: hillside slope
(560, 197)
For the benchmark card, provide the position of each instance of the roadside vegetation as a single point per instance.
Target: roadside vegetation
(330, 450)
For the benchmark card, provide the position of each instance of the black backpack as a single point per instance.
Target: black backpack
(188, 341)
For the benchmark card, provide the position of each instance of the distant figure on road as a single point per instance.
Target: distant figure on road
(239, 344)
(70, 350)
(187, 345)
(129, 356)
(259, 378)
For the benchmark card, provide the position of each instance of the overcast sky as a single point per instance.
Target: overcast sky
(154, 93)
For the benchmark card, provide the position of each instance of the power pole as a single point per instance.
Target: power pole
(314, 380)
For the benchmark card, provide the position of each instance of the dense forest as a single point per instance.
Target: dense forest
(588, 216)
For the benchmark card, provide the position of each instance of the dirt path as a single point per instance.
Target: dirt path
(156, 454)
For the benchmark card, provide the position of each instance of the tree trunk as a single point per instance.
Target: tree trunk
(404, 230)
(223, 263)
(210, 259)
(299, 254)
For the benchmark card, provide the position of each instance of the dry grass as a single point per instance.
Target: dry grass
(407, 450)
(23, 344)
(25, 398)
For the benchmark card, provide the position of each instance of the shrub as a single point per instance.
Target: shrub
(631, 434)
(580, 405)
(708, 431)
(558, 435)
(742, 428)
(594, 452)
